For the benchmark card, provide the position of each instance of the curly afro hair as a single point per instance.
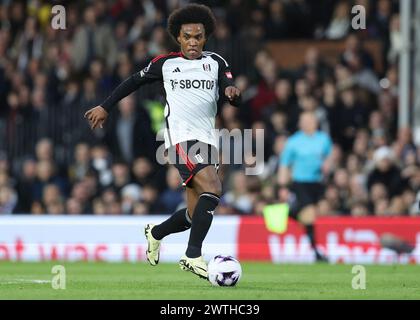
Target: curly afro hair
(192, 13)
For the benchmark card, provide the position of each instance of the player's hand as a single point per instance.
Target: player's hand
(232, 93)
(96, 117)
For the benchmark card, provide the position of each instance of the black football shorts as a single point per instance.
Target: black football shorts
(189, 157)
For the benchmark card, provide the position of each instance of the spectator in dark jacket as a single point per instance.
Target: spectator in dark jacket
(46, 174)
(172, 196)
(129, 134)
(386, 172)
(26, 182)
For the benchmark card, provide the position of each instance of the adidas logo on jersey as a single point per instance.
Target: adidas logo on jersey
(176, 70)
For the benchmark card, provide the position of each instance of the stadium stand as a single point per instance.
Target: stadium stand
(285, 61)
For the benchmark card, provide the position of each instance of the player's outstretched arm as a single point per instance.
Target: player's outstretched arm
(98, 115)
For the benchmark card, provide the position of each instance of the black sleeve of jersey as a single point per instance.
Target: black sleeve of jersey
(226, 80)
(153, 72)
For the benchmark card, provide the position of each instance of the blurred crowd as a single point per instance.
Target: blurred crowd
(51, 163)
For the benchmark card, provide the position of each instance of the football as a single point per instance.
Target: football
(224, 271)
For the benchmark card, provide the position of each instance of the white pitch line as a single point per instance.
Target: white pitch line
(20, 281)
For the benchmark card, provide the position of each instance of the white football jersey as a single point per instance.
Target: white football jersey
(191, 91)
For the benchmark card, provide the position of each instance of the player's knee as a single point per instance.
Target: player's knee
(215, 188)
(207, 181)
(212, 186)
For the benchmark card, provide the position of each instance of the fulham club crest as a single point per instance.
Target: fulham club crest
(206, 67)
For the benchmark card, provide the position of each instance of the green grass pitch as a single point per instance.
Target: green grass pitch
(167, 281)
